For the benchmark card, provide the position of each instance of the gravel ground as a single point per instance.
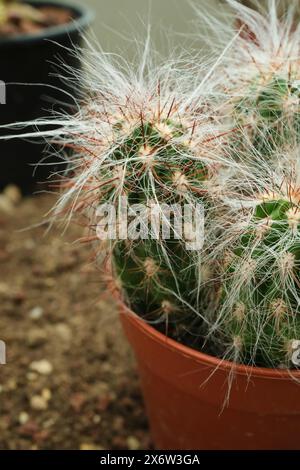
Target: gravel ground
(70, 380)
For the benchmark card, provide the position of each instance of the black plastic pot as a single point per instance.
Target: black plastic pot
(27, 67)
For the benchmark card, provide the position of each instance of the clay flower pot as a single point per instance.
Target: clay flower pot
(184, 392)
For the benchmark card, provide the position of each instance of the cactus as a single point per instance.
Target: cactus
(270, 113)
(155, 273)
(152, 139)
(153, 161)
(157, 161)
(259, 318)
(155, 284)
(255, 318)
(261, 71)
(267, 73)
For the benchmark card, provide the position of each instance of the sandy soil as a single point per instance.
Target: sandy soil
(70, 381)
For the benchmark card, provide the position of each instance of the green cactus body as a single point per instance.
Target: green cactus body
(261, 293)
(270, 113)
(154, 164)
(156, 284)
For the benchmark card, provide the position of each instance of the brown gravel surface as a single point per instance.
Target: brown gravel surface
(70, 381)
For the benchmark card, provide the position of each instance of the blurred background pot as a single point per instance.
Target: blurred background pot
(184, 392)
(29, 72)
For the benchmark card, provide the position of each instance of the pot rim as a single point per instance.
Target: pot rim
(200, 357)
(83, 18)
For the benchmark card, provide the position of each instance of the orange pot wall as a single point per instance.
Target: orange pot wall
(184, 407)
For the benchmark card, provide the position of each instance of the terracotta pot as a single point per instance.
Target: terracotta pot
(184, 392)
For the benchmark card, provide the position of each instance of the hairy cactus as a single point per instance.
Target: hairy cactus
(152, 167)
(158, 162)
(147, 140)
(270, 113)
(260, 309)
(261, 71)
(152, 160)
(266, 75)
(256, 319)
(156, 284)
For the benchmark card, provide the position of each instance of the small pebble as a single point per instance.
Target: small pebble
(13, 194)
(5, 289)
(23, 417)
(10, 197)
(133, 443)
(37, 402)
(32, 376)
(36, 313)
(43, 367)
(64, 331)
(11, 384)
(46, 394)
(96, 419)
